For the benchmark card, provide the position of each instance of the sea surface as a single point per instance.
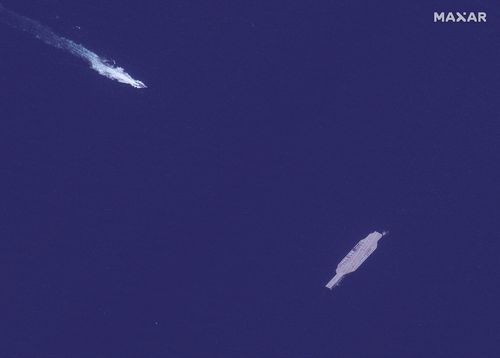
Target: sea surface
(202, 216)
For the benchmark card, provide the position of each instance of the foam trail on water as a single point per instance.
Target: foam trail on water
(48, 36)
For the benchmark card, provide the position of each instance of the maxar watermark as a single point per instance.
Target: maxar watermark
(459, 16)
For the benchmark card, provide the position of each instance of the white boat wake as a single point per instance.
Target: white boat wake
(43, 33)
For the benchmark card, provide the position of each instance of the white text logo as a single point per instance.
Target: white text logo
(459, 16)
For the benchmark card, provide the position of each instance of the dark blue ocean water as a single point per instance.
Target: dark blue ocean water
(202, 217)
